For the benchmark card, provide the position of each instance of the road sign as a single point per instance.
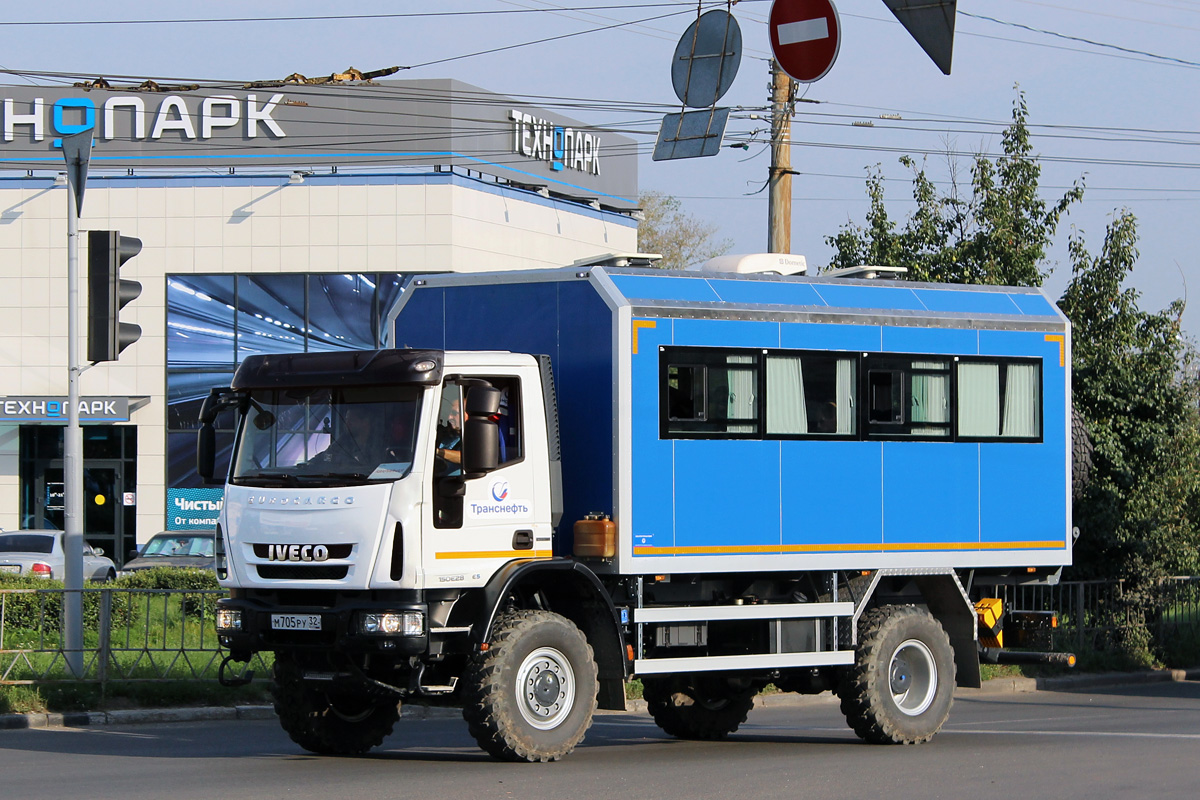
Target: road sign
(805, 37)
(931, 23)
(692, 134)
(707, 59)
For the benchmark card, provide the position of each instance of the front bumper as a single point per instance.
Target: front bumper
(262, 629)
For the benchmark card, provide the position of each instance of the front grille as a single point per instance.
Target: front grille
(335, 550)
(298, 572)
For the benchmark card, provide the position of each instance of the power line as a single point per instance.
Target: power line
(1092, 42)
(690, 4)
(613, 26)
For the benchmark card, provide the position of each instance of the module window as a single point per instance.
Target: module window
(710, 394)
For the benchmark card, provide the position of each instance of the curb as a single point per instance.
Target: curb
(416, 713)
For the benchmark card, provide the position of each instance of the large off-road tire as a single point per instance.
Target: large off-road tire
(327, 724)
(532, 694)
(1081, 456)
(902, 684)
(697, 706)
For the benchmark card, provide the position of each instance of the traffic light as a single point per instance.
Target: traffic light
(108, 294)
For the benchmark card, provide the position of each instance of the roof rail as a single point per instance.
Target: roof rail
(620, 260)
(865, 271)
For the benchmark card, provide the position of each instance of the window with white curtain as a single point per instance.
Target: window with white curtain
(714, 393)
(711, 392)
(930, 398)
(810, 393)
(999, 399)
(908, 396)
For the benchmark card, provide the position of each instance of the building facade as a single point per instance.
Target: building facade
(271, 219)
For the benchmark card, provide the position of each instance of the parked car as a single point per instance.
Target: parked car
(40, 553)
(175, 549)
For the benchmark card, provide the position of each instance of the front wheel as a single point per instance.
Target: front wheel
(902, 684)
(697, 706)
(325, 723)
(532, 694)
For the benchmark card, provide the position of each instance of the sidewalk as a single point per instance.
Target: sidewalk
(410, 713)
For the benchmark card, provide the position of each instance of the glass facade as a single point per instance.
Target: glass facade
(215, 321)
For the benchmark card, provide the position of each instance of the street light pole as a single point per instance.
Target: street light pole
(76, 150)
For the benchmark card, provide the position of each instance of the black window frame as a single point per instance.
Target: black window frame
(705, 357)
(865, 363)
(903, 429)
(813, 436)
(1004, 361)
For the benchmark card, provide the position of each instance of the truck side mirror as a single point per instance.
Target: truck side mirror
(481, 431)
(206, 452)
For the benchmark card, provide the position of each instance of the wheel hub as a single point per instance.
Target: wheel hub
(546, 688)
(913, 677)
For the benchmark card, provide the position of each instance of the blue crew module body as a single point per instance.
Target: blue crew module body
(746, 422)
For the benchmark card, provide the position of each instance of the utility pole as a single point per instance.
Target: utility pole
(779, 215)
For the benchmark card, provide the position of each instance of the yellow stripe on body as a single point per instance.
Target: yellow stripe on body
(495, 554)
(842, 548)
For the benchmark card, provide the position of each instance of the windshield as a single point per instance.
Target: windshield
(299, 437)
(179, 546)
(26, 543)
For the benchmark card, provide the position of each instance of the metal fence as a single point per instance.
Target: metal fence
(1104, 616)
(129, 635)
(168, 634)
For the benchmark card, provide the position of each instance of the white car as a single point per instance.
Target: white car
(40, 553)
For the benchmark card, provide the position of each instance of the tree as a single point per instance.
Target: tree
(998, 235)
(1135, 382)
(681, 239)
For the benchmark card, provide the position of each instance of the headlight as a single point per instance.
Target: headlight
(393, 623)
(229, 619)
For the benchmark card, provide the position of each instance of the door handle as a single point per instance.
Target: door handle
(523, 540)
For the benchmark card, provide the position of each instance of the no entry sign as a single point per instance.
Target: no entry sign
(805, 36)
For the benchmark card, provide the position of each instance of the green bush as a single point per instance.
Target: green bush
(176, 579)
(42, 611)
(30, 610)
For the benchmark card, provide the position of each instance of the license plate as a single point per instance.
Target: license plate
(10, 568)
(296, 622)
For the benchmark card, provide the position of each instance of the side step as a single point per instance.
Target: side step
(686, 626)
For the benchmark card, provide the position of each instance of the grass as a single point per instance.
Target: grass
(163, 647)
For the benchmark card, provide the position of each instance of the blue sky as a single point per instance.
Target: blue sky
(1126, 122)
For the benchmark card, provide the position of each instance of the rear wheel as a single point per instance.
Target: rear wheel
(697, 706)
(902, 685)
(532, 695)
(329, 723)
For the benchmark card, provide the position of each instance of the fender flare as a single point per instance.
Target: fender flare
(576, 593)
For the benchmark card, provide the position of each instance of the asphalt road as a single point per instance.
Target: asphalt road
(1123, 742)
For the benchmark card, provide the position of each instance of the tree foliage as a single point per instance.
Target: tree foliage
(1135, 382)
(998, 235)
(681, 239)
(1134, 373)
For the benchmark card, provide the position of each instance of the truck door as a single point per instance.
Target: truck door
(480, 523)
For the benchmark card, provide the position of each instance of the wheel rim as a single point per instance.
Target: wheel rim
(913, 677)
(349, 711)
(546, 687)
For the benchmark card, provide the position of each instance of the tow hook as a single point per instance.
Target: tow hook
(233, 681)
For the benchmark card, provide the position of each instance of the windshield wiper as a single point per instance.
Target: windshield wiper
(270, 479)
(350, 476)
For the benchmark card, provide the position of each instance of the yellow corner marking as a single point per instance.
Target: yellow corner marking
(637, 325)
(1062, 346)
(842, 548)
(496, 554)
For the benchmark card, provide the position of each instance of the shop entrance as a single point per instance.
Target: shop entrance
(109, 484)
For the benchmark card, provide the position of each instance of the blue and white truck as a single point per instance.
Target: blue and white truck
(709, 482)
